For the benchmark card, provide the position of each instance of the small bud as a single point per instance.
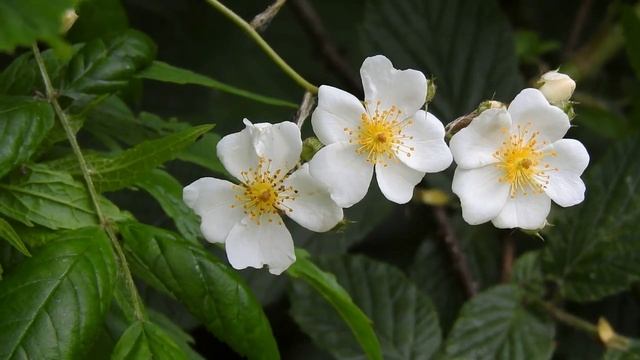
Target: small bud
(556, 87)
(431, 90)
(68, 19)
(491, 104)
(310, 146)
(609, 337)
(433, 197)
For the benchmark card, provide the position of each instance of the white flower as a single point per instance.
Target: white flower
(246, 217)
(512, 163)
(557, 87)
(389, 132)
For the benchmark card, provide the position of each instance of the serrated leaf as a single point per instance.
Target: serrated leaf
(24, 123)
(210, 289)
(631, 28)
(145, 340)
(168, 192)
(101, 67)
(327, 286)
(52, 304)
(594, 251)
(161, 71)
(9, 234)
(467, 45)
(25, 21)
(403, 317)
(496, 325)
(52, 199)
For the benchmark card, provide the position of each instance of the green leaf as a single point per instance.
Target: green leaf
(632, 353)
(327, 285)
(210, 289)
(105, 67)
(168, 192)
(403, 317)
(9, 234)
(24, 123)
(145, 340)
(203, 153)
(98, 19)
(467, 45)
(22, 77)
(161, 71)
(495, 325)
(594, 251)
(131, 165)
(25, 21)
(52, 304)
(52, 199)
(631, 28)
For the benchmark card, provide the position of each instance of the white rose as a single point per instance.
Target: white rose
(557, 87)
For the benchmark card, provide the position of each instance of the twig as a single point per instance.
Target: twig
(103, 221)
(312, 24)
(262, 20)
(578, 25)
(255, 36)
(304, 111)
(452, 244)
(508, 253)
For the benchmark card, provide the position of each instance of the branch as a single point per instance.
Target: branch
(578, 25)
(452, 244)
(508, 253)
(312, 24)
(262, 20)
(52, 97)
(305, 109)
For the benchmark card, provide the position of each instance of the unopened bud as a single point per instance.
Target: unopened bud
(491, 104)
(609, 337)
(68, 19)
(431, 90)
(556, 87)
(310, 146)
(433, 197)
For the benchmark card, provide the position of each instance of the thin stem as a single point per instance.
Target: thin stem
(305, 109)
(86, 174)
(255, 36)
(508, 254)
(262, 20)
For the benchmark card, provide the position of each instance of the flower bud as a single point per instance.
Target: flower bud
(68, 19)
(431, 90)
(556, 87)
(491, 104)
(310, 146)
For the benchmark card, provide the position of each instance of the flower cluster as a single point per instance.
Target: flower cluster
(511, 162)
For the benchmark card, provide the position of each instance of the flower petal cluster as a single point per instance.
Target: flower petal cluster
(246, 217)
(513, 162)
(388, 133)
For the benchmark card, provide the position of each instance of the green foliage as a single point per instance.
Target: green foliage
(145, 340)
(209, 288)
(631, 27)
(24, 123)
(496, 325)
(403, 317)
(327, 286)
(64, 289)
(9, 234)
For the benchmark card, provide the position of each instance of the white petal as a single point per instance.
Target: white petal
(253, 245)
(214, 200)
(406, 89)
(524, 211)
(481, 195)
(475, 145)
(397, 180)
(337, 110)
(344, 172)
(565, 186)
(531, 110)
(280, 143)
(312, 206)
(430, 152)
(237, 153)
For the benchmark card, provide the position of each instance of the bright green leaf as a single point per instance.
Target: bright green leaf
(403, 318)
(9, 234)
(145, 340)
(211, 290)
(24, 123)
(52, 304)
(161, 71)
(496, 325)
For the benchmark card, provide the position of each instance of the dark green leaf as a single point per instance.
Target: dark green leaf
(495, 325)
(327, 286)
(161, 71)
(25, 21)
(9, 234)
(403, 317)
(467, 45)
(145, 340)
(210, 289)
(631, 27)
(52, 199)
(104, 67)
(22, 76)
(53, 303)
(168, 192)
(24, 123)
(99, 19)
(632, 353)
(203, 153)
(594, 251)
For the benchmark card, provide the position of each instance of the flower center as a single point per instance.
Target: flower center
(521, 160)
(263, 192)
(380, 137)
